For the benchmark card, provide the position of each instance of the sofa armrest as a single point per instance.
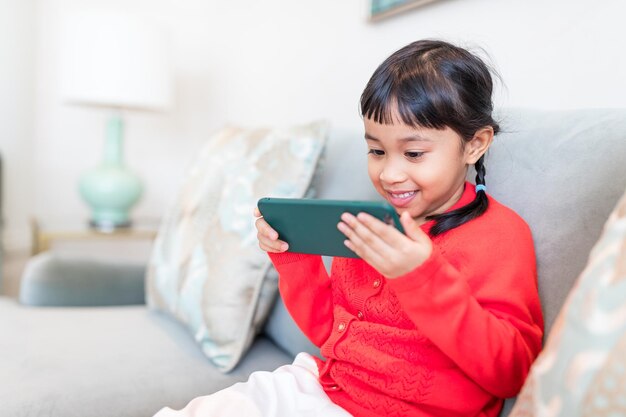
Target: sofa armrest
(51, 280)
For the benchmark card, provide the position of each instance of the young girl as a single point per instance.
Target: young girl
(441, 321)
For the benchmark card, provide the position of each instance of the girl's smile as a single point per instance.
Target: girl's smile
(401, 199)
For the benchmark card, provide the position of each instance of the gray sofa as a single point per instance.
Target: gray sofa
(79, 342)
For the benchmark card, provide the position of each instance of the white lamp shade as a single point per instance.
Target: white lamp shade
(114, 60)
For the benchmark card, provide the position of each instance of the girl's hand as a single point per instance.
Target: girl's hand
(268, 237)
(383, 246)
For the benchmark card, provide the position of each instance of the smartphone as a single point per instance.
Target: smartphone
(310, 225)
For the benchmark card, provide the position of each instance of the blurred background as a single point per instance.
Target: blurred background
(265, 63)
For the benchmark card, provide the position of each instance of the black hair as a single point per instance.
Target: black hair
(434, 84)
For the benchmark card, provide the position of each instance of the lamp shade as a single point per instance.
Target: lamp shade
(114, 60)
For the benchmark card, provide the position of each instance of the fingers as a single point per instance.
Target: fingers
(411, 228)
(386, 231)
(366, 230)
(362, 240)
(385, 248)
(365, 252)
(417, 235)
(376, 232)
(268, 237)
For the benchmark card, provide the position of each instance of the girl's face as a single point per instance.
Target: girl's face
(418, 170)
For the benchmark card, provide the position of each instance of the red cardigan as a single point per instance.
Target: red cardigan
(451, 338)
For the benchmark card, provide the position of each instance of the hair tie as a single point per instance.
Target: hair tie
(481, 187)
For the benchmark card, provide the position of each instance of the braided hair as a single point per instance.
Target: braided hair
(434, 84)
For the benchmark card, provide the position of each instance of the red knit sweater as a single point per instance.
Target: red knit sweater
(451, 338)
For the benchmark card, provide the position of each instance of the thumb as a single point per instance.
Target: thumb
(411, 228)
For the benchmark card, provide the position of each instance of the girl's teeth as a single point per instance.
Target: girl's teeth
(403, 195)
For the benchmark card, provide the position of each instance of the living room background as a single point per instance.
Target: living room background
(270, 63)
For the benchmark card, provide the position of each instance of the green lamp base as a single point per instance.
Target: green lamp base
(111, 189)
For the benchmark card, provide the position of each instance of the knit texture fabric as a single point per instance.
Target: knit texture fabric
(451, 338)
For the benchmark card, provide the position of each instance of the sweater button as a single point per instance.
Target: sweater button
(333, 387)
(341, 327)
(376, 283)
(360, 315)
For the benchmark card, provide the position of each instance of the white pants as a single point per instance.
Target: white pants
(291, 390)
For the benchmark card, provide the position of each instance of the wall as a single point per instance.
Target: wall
(17, 75)
(279, 62)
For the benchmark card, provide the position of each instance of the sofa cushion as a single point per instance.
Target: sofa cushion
(107, 361)
(582, 370)
(206, 268)
(563, 172)
(53, 280)
(283, 331)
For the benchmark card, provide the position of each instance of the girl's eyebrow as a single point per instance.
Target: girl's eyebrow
(413, 138)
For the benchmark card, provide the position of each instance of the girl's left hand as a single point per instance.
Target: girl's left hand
(383, 246)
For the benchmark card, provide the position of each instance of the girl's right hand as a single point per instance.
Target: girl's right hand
(268, 237)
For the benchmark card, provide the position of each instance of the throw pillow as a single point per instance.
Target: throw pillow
(206, 267)
(582, 370)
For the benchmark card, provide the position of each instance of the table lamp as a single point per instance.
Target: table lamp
(119, 63)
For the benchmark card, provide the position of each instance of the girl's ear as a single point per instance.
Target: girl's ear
(479, 144)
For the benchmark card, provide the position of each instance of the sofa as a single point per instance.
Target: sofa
(80, 341)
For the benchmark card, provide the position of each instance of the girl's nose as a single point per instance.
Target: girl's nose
(392, 174)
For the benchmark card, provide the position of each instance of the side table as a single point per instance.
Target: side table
(48, 234)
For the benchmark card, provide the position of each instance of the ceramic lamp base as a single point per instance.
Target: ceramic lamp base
(110, 191)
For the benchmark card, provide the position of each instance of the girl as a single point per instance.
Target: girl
(441, 321)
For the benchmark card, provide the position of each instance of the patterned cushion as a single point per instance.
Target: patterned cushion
(582, 370)
(206, 268)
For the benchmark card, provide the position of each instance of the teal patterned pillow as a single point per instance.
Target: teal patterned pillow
(206, 267)
(582, 370)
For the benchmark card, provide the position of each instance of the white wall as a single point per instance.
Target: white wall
(278, 61)
(17, 74)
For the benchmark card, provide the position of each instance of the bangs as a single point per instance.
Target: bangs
(431, 84)
(416, 99)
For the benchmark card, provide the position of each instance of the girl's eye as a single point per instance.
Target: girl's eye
(377, 152)
(413, 155)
